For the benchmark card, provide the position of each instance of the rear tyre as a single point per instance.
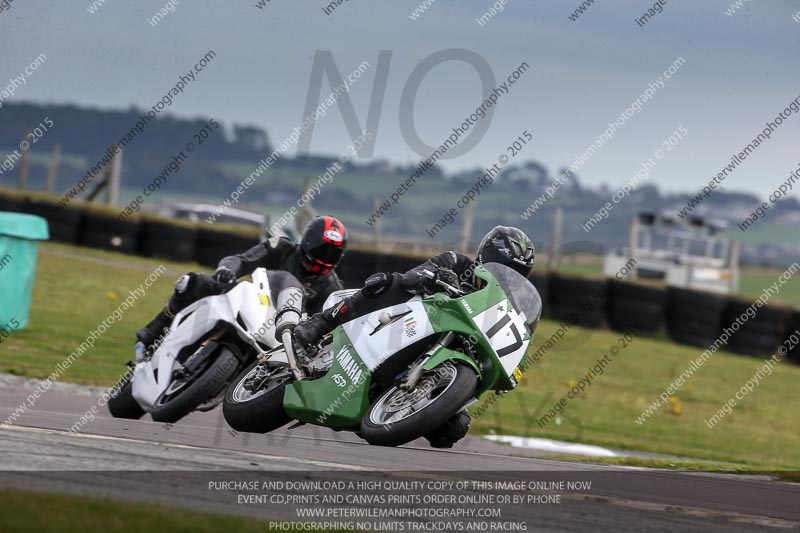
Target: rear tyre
(259, 411)
(172, 407)
(121, 403)
(398, 417)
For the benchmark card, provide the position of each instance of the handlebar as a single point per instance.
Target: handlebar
(450, 289)
(288, 345)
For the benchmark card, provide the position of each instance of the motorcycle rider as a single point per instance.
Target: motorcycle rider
(505, 245)
(312, 262)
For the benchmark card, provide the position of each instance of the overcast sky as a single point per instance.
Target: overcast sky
(740, 71)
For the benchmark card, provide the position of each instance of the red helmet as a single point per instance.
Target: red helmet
(323, 244)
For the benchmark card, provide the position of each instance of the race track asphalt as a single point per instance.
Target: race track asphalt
(147, 461)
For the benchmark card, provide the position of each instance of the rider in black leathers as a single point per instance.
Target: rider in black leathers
(504, 245)
(312, 262)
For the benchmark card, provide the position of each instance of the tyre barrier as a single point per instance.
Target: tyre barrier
(65, 223)
(759, 335)
(542, 284)
(691, 317)
(792, 326)
(11, 204)
(694, 318)
(578, 301)
(100, 230)
(358, 265)
(637, 307)
(164, 240)
(213, 245)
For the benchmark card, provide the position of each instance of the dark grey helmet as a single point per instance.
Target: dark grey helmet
(507, 246)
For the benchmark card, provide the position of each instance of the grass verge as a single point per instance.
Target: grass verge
(43, 513)
(763, 429)
(683, 465)
(76, 288)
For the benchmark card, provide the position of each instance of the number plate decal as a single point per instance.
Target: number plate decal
(505, 330)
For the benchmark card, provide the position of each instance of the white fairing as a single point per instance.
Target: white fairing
(504, 329)
(337, 296)
(502, 326)
(249, 300)
(409, 323)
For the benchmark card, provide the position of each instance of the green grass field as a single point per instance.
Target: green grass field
(77, 288)
(32, 511)
(763, 430)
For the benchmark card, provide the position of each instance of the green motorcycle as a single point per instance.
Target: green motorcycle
(398, 373)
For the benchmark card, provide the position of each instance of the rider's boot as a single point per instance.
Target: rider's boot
(375, 294)
(149, 334)
(452, 431)
(188, 288)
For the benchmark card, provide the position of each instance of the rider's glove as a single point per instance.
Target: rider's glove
(309, 333)
(225, 276)
(424, 281)
(448, 276)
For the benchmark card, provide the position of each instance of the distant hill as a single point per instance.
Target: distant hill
(232, 152)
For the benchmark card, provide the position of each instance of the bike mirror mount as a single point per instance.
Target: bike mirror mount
(450, 288)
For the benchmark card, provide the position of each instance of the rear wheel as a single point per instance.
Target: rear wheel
(399, 416)
(121, 403)
(184, 395)
(254, 401)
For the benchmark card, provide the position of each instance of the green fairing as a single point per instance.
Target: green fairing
(308, 401)
(446, 354)
(446, 314)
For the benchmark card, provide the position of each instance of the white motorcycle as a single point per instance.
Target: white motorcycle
(208, 344)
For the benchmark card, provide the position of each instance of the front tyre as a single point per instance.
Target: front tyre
(121, 403)
(398, 417)
(190, 393)
(254, 401)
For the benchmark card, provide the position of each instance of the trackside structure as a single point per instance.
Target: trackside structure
(690, 254)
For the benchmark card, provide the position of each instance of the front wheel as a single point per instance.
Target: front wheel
(186, 394)
(121, 403)
(398, 416)
(254, 401)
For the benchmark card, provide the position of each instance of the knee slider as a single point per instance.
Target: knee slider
(376, 285)
(183, 283)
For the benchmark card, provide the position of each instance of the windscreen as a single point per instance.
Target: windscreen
(523, 295)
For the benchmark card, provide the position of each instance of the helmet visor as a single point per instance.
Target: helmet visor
(328, 253)
(316, 266)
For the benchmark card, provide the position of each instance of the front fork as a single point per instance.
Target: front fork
(435, 356)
